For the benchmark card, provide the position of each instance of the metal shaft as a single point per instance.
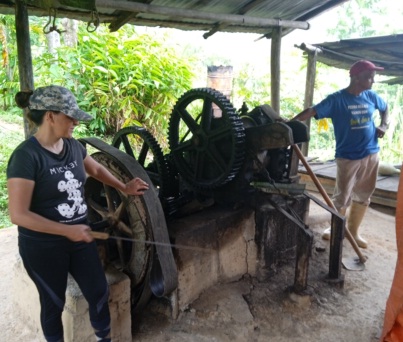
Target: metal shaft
(105, 236)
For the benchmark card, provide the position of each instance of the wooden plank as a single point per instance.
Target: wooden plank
(385, 192)
(387, 201)
(316, 167)
(383, 201)
(388, 183)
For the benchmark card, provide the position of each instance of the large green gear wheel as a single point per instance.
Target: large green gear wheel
(141, 145)
(206, 138)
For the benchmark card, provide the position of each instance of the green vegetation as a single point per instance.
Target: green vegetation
(121, 78)
(11, 134)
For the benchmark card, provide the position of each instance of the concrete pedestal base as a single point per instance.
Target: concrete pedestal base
(230, 251)
(75, 317)
(236, 243)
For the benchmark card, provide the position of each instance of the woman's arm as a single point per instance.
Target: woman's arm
(135, 187)
(20, 192)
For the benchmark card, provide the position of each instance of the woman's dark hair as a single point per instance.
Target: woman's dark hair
(36, 116)
(22, 101)
(22, 98)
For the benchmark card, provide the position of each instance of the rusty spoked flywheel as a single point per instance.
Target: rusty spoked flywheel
(206, 138)
(151, 268)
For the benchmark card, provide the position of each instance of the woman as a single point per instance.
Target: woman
(393, 320)
(46, 175)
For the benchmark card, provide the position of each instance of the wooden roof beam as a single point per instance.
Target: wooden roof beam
(123, 18)
(218, 26)
(231, 19)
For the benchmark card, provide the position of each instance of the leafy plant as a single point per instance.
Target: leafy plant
(11, 134)
(122, 78)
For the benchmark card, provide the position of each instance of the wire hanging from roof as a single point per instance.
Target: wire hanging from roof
(48, 29)
(94, 21)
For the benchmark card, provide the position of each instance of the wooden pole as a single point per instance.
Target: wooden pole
(275, 69)
(309, 90)
(24, 54)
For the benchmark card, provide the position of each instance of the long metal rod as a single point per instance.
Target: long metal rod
(191, 14)
(106, 236)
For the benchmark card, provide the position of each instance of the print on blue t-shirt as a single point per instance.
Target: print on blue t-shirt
(353, 122)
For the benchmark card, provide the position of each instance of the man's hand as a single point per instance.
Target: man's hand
(380, 131)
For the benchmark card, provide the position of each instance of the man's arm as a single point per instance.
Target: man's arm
(381, 129)
(305, 114)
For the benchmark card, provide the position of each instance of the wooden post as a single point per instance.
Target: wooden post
(275, 69)
(304, 251)
(309, 90)
(24, 54)
(336, 247)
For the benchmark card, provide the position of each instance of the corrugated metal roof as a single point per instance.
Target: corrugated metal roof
(250, 16)
(385, 51)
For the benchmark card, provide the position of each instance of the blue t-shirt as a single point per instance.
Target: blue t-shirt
(353, 122)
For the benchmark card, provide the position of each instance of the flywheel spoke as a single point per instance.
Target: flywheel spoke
(98, 208)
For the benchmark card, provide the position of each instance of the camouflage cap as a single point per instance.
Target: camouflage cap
(58, 99)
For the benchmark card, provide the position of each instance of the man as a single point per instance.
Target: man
(351, 110)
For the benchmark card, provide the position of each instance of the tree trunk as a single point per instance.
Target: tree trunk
(53, 40)
(70, 27)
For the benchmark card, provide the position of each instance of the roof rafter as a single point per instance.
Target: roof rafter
(194, 14)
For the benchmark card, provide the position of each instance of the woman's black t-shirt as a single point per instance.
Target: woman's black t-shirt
(59, 180)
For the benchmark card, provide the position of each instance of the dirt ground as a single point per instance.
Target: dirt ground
(248, 310)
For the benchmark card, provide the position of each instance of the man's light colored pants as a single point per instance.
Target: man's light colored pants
(355, 181)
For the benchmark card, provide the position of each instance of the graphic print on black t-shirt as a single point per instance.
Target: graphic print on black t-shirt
(73, 194)
(58, 193)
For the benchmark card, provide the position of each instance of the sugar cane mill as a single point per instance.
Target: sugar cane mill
(226, 168)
